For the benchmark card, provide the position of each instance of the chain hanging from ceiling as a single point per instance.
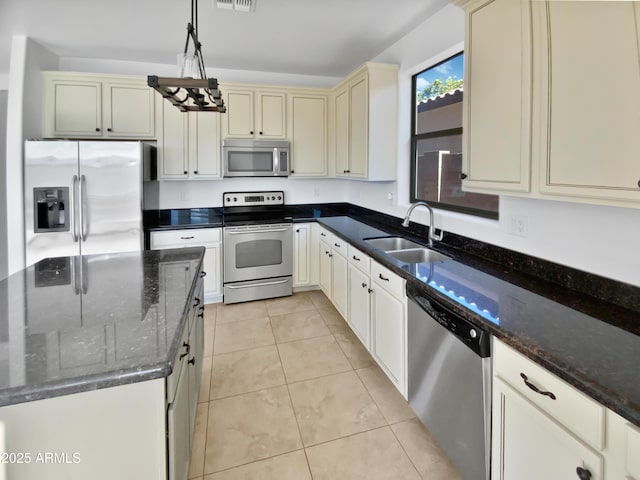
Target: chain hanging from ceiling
(192, 91)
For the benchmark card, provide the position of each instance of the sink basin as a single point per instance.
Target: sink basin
(392, 243)
(417, 255)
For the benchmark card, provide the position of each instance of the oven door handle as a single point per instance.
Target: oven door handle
(243, 232)
(235, 287)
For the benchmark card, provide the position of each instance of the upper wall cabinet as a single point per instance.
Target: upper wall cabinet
(365, 123)
(92, 106)
(308, 134)
(497, 106)
(552, 95)
(590, 142)
(254, 114)
(188, 143)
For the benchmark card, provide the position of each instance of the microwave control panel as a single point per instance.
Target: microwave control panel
(249, 199)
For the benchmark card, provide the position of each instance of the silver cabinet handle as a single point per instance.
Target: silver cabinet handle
(83, 213)
(235, 287)
(72, 210)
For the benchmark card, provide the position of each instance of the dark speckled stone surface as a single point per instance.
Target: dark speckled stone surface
(597, 352)
(117, 320)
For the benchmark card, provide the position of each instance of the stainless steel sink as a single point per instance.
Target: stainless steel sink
(406, 250)
(392, 243)
(417, 255)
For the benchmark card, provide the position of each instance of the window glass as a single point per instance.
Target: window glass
(437, 141)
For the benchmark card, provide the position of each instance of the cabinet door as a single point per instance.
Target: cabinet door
(73, 108)
(129, 110)
(342, 133)
(528, 445)
(308, 135)
(173, 154)
(301, 255)
(339, 283)
(178, 430)
(359, 305)
(359, 127)
(388, 326)
(270, 116)
(325, 268)
(497, 103)
(204, 145)
(213, 267)
(593, 69)
(238, 121)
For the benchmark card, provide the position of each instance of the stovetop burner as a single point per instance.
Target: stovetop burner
(253, 208)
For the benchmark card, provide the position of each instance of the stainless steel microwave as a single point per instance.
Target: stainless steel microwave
(255, 158)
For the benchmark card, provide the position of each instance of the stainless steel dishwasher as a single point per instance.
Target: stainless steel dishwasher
(449, 374)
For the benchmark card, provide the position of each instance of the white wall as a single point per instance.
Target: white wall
(24, 114)
(223, 75)
(596, 239)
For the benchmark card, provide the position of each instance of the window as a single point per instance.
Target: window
(436, 141)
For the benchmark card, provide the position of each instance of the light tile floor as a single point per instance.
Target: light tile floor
(289, 393)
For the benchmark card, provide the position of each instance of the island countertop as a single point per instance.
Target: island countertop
(73, 324)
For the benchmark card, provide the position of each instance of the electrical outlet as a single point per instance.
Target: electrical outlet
(519, 225)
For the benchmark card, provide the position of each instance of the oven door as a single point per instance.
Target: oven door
(258, 251)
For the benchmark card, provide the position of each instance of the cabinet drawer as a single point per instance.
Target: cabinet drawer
(325, 235)
(339, 246)
(359, 259)
(576, 411)
(387, 279)
(186, 237)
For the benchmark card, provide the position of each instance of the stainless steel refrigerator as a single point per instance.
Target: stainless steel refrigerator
(84, 197)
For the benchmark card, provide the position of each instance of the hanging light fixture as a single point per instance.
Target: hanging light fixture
(192, 90)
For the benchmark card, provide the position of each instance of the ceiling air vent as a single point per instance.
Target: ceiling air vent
(237, 5)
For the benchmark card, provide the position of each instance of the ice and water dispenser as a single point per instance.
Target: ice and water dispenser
(51, 209)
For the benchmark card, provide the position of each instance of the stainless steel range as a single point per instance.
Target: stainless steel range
(257, 245)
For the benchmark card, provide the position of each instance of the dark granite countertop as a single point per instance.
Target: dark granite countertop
(73, 324)
(592, 344)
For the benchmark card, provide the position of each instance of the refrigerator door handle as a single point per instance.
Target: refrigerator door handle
(83, 213)
(72, 216)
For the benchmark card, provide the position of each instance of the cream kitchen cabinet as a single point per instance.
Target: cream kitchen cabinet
(389, 324)
(308, 138)
(557, 423)
(497, 89)
(259, 114)
(324, 261)
(365, 123)
(302, 275)
(359, 295)
(189, 144)
(590, 66)
(339, 294)
(79, 105)
(210, 238)
(551, 95)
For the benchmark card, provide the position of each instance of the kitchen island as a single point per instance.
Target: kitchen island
(100, 357)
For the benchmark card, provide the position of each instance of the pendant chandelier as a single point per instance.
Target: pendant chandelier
(192, 90)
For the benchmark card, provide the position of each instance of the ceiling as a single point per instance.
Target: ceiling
(322, 37)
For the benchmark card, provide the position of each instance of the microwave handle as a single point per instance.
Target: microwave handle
(276, 160)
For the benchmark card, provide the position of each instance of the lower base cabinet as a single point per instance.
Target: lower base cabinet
(528, 445)
(388, 335)
(360, 305)
(207, 237)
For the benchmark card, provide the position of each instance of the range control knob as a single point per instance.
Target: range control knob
(473, 333)
(235, 199)
(273, 198)
(280, 198)
(228, 199)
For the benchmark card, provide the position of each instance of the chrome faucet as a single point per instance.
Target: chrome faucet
(432, 229)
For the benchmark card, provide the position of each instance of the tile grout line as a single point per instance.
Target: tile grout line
(405, 451)
(295, 416)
